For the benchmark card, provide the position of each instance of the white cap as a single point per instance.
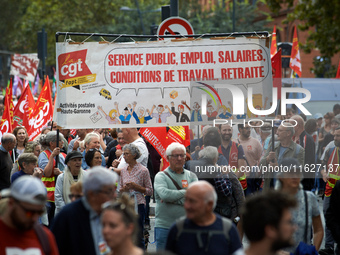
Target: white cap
(27, 189)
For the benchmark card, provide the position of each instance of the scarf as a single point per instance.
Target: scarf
(68, 181)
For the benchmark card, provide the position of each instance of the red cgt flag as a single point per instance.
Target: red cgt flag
(42, 112)
(23, 109)
(5, 124)
(161, 137)
(295, 60)
(277, 72)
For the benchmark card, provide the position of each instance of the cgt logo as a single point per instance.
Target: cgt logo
(72, 64)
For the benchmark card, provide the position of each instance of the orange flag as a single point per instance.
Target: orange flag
(273, 47)
(295, 60)
(5, 124)
(23, 109)
(42, 112)
(338, 72)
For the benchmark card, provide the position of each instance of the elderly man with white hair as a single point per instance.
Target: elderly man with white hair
(170, 187)
(77, 227)
(92, 141)
(202, 231)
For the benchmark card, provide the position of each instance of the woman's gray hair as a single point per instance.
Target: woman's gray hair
(133, 150)
(209, 152)
(97, 177)
(51, 137)
(173, 147)
(27, 158)
(89, 136)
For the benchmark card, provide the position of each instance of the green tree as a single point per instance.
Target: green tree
(320, 17)
(219, 18)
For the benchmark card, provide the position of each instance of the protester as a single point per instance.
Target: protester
(326, 128)
(135, 179)
(268, 222)
(119, 223)
(230, 196)
(217, 235)
(290, 182)
(72, 173)
(170, 187)
(253, 152)
(74, 144)
(76, 191)
(233, 152)
(131, 135)
(330, 174)
(93, 158)
(47, 162)
(306, 141)
(28, 165)
(283, 148)
(91, 142)
(332, 216)
(19, 229)
(117, 150)
(30, 147)
(77, 227)
(8, 142)
(21, 135)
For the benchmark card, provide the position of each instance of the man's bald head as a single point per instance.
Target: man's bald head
(8, 141)
(204, 190)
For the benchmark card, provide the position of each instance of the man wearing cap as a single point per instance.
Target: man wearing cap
(72, 173)
(8, 142)
(19, 229)
(77, 227)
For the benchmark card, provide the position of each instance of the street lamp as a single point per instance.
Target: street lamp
(125, 8)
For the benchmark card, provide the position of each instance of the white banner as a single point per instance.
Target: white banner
(25, 66)
(156, 83)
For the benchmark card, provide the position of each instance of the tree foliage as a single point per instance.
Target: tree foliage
(20, 20)
(320, 17)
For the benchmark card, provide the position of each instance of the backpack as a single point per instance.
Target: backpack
(226, 226)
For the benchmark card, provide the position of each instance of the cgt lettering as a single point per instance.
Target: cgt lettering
(72, 69)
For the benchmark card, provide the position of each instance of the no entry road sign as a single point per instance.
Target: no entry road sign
(175, 26)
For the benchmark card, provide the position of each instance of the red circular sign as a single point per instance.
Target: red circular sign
(175, 26)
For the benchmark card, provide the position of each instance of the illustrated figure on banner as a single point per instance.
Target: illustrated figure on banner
(211, 112)
(160, 116)
(140, 116)
(224, 112)
(126, 116)
(112, 117)
(195, 112)
(180, 115)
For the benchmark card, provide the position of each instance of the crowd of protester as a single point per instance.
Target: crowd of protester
(92, 190)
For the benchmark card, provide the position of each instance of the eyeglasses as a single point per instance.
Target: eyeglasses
(29, 212)
(71, 196)
(178, 156)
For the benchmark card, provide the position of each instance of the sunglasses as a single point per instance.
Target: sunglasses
(29, 212)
